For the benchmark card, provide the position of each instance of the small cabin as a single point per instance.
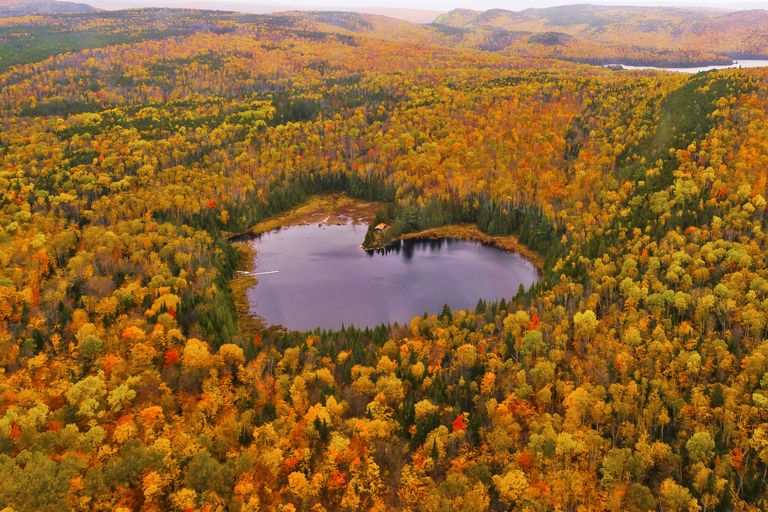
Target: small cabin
(380, 227)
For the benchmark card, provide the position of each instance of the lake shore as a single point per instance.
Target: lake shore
(249, 325)
(319, 209)
(341, 209)
(472, 232)
(736, 64)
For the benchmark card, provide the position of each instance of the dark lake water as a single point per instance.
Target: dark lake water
(326, 280)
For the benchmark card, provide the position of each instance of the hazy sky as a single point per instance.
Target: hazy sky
(436, 5)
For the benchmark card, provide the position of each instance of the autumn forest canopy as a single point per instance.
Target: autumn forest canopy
(135, 145)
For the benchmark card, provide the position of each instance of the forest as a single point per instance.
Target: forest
(633, 377)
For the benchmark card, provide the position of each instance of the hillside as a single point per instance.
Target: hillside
(524, 43)
(635, 33)
(635, 36)
(25, 7)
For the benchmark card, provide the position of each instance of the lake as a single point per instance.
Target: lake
(318, 276)
(736, 64)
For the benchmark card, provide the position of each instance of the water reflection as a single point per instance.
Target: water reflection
(407, 248)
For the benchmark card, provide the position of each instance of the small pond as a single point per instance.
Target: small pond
(314, 276)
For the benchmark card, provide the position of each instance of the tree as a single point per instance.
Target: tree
(511, 486)
(700, 447)
(676, 498)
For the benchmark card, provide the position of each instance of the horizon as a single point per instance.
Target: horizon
(425, 7)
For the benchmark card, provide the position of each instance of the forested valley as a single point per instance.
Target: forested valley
(633, 376)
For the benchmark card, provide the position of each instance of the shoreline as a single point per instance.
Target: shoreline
(319, 209)
(470, 232)
(326, 209)
(248, 323)
(341, 209)
(338, 209)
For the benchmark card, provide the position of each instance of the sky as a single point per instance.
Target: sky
(428, 5)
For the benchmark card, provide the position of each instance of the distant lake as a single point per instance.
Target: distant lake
(736, 64)
(318, 276)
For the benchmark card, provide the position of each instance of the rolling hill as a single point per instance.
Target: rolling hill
(639, 34)
(24, 7)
